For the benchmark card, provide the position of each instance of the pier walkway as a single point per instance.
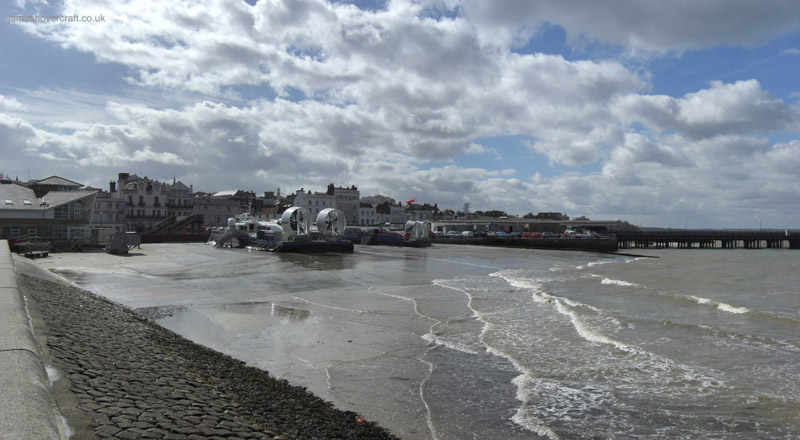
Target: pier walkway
(709, 239)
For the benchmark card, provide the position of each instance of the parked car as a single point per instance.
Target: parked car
(532, 235)
(549, 235)
(468, 234)
(453, 234)
(514, 235)
(479, 234)
(501, 234)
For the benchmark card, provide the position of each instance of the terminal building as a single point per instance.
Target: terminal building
(54, 208)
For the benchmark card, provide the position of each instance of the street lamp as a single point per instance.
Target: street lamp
(686, 223)
(759, 223)
(44, 206)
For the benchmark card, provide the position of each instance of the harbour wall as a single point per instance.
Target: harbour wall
(28, 409)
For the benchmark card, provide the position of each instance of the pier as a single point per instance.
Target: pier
(709, 239)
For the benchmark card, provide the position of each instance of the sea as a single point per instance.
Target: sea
(465, 342)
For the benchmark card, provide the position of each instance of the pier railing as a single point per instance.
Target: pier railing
(710, 239)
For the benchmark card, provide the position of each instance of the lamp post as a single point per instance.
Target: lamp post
(44, 206)
(686, 223)
(759, 223)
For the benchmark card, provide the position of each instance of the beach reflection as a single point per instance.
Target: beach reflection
(292, 313)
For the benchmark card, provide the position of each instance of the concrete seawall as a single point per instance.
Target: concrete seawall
(27, 407)
(576, 244)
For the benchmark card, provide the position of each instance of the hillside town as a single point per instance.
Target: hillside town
(61, 209)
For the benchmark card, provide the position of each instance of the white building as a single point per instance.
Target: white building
(109, 211)
(145, 201)
(347, 201)
(180, 203)
(377, 199)
(216, 212)
(314, 202)
(367, 215)
(390, 213)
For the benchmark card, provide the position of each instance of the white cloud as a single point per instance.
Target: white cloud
(10, 103)
(374, 98)
(649, 25)
(740, 107)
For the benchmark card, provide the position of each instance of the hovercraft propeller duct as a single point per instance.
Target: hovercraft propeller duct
(295, 223)
(331, 223)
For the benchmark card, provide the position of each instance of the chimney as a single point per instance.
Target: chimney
(112, 186)
(123, 177)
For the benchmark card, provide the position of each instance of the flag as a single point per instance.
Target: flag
(409, 201)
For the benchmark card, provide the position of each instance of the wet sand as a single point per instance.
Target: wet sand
(344, 326)
(118, 375)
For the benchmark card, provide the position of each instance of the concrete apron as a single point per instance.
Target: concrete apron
(27, 407)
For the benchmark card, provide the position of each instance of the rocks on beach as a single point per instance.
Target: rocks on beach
(128, 378)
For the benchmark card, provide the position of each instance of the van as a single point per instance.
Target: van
(467, 234)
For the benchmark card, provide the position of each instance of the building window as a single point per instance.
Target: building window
(32, 231)
(61, 212)
(15, 232)
(26, 202)
(77, 210)
(59, 233)
(9, 201)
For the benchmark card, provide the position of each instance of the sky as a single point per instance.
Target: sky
(672, 114)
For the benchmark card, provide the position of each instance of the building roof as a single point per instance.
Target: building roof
(209, 201)
(179, 185)
(56, 198)
(226, 193)
(17, 194)
(24, 198)
(56, 180)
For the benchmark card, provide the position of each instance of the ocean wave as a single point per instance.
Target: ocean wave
(528, 422)
(720, 305)
(567, 308)
(599, 262)
(433, 339)
(619, 283)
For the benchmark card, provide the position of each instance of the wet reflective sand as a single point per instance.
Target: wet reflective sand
(341, 325)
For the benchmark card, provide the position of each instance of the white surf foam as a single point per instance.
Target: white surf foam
(720, 305)
(623, 283)
(526, 421)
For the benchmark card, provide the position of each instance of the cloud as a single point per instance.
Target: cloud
(637, 25)
(10, 103)
(381, 98)
(740, 107)
(792, 51)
